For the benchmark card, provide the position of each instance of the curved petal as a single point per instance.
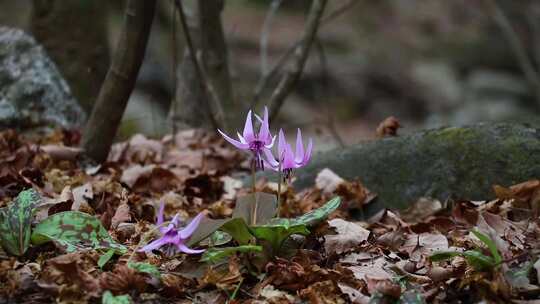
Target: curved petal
(299, 155)
(172, 225)
(182, 247)
(271, 144)
(190, 228)
(282, 145)
(159, 220)
(239, 145)
(164, 240)
(307, 156)
(288, 159)
(264, 131)
(248, 133)
(269, 160)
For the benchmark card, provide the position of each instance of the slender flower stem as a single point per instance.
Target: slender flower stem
(145, 239)
(279, 190)
(255, 205)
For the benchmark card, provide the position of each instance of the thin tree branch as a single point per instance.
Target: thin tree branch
(174, 108)
(198, 69)
(525, 63)
(120, 80)
(291, 77)
(265, 78)
(272, 11)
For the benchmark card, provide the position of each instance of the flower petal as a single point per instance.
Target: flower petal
(299, 155)
(164, 240)
(264, 131)
(288, 159)
(172, 225)
(282, 144)
(248, 133)
(159, 220)
(307, 156)
(182, 247)
(190, 228)
(269, 160)
(239, 145)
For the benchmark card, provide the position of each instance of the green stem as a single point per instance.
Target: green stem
(279, 190)
(255, 206)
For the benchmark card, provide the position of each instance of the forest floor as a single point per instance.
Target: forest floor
(433, 252)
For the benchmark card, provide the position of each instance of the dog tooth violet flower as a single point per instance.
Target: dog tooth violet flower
(173, 235)
(287, 160)
(256, 143)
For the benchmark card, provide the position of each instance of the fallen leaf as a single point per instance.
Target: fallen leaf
(328, 181)
(388, 127)
(349, 235)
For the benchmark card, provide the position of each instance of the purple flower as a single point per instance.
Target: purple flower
(251, 141)
(287, 160)
(172, 234)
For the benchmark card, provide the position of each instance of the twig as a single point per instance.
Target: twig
(525, 63)
(198, 70)
(174, 71)
(323, 93)
(272, 11)
(265, 78)
(533, 16)
(291, 77)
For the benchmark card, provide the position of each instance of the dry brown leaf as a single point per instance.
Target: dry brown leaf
(349, 235)
(388, 127)
(328, 181)
(121, 215)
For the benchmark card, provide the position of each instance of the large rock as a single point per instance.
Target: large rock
(32, 91)
(453, 162)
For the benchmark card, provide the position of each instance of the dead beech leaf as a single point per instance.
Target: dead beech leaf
(58, 152)
(133, 173)
(81, 196)
(349, 235)
(322, 292)
(192, 159)
(374, 269)
(230, 187)
(328, 181)
(121, 215)
(424, 244)
(388, 127)
(421, 209)
(355, 296)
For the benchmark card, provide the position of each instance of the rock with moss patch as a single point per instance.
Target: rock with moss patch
(458, 162)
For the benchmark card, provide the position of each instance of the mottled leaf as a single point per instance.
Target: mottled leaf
(315, 216)
(238, 230)
(214, 255)
(217, 238)
(74, 230)
(109, 298)
(106, 257)
(15, 220)
(146, 268)
(277, 230)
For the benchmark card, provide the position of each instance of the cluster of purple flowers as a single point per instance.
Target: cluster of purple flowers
(260, 145)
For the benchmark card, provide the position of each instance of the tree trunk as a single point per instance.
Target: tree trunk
(74, 33)
(206, 28)
(120, 80)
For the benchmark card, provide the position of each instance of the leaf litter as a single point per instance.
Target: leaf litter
(389, 258)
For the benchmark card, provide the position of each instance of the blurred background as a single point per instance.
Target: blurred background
(429, 63)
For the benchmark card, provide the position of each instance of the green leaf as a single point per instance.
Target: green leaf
(104, 258)
(74, 230)
(490, 244)
(277, 230)
(214, 255)
(315, 216)
(146, 268)
(443, 255)
(478, 260)
(238, 230)
(108, 298)
(15, 222)
(217, 238)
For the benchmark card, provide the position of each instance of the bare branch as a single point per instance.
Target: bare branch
(265, 78)
(120, 80)
(291, 77)
(526, 64)
(272, 11)
(198, 69)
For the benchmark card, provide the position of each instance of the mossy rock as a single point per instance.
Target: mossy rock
(455, 162)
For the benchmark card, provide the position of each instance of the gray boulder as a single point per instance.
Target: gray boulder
(444, 163)
(32, 91)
